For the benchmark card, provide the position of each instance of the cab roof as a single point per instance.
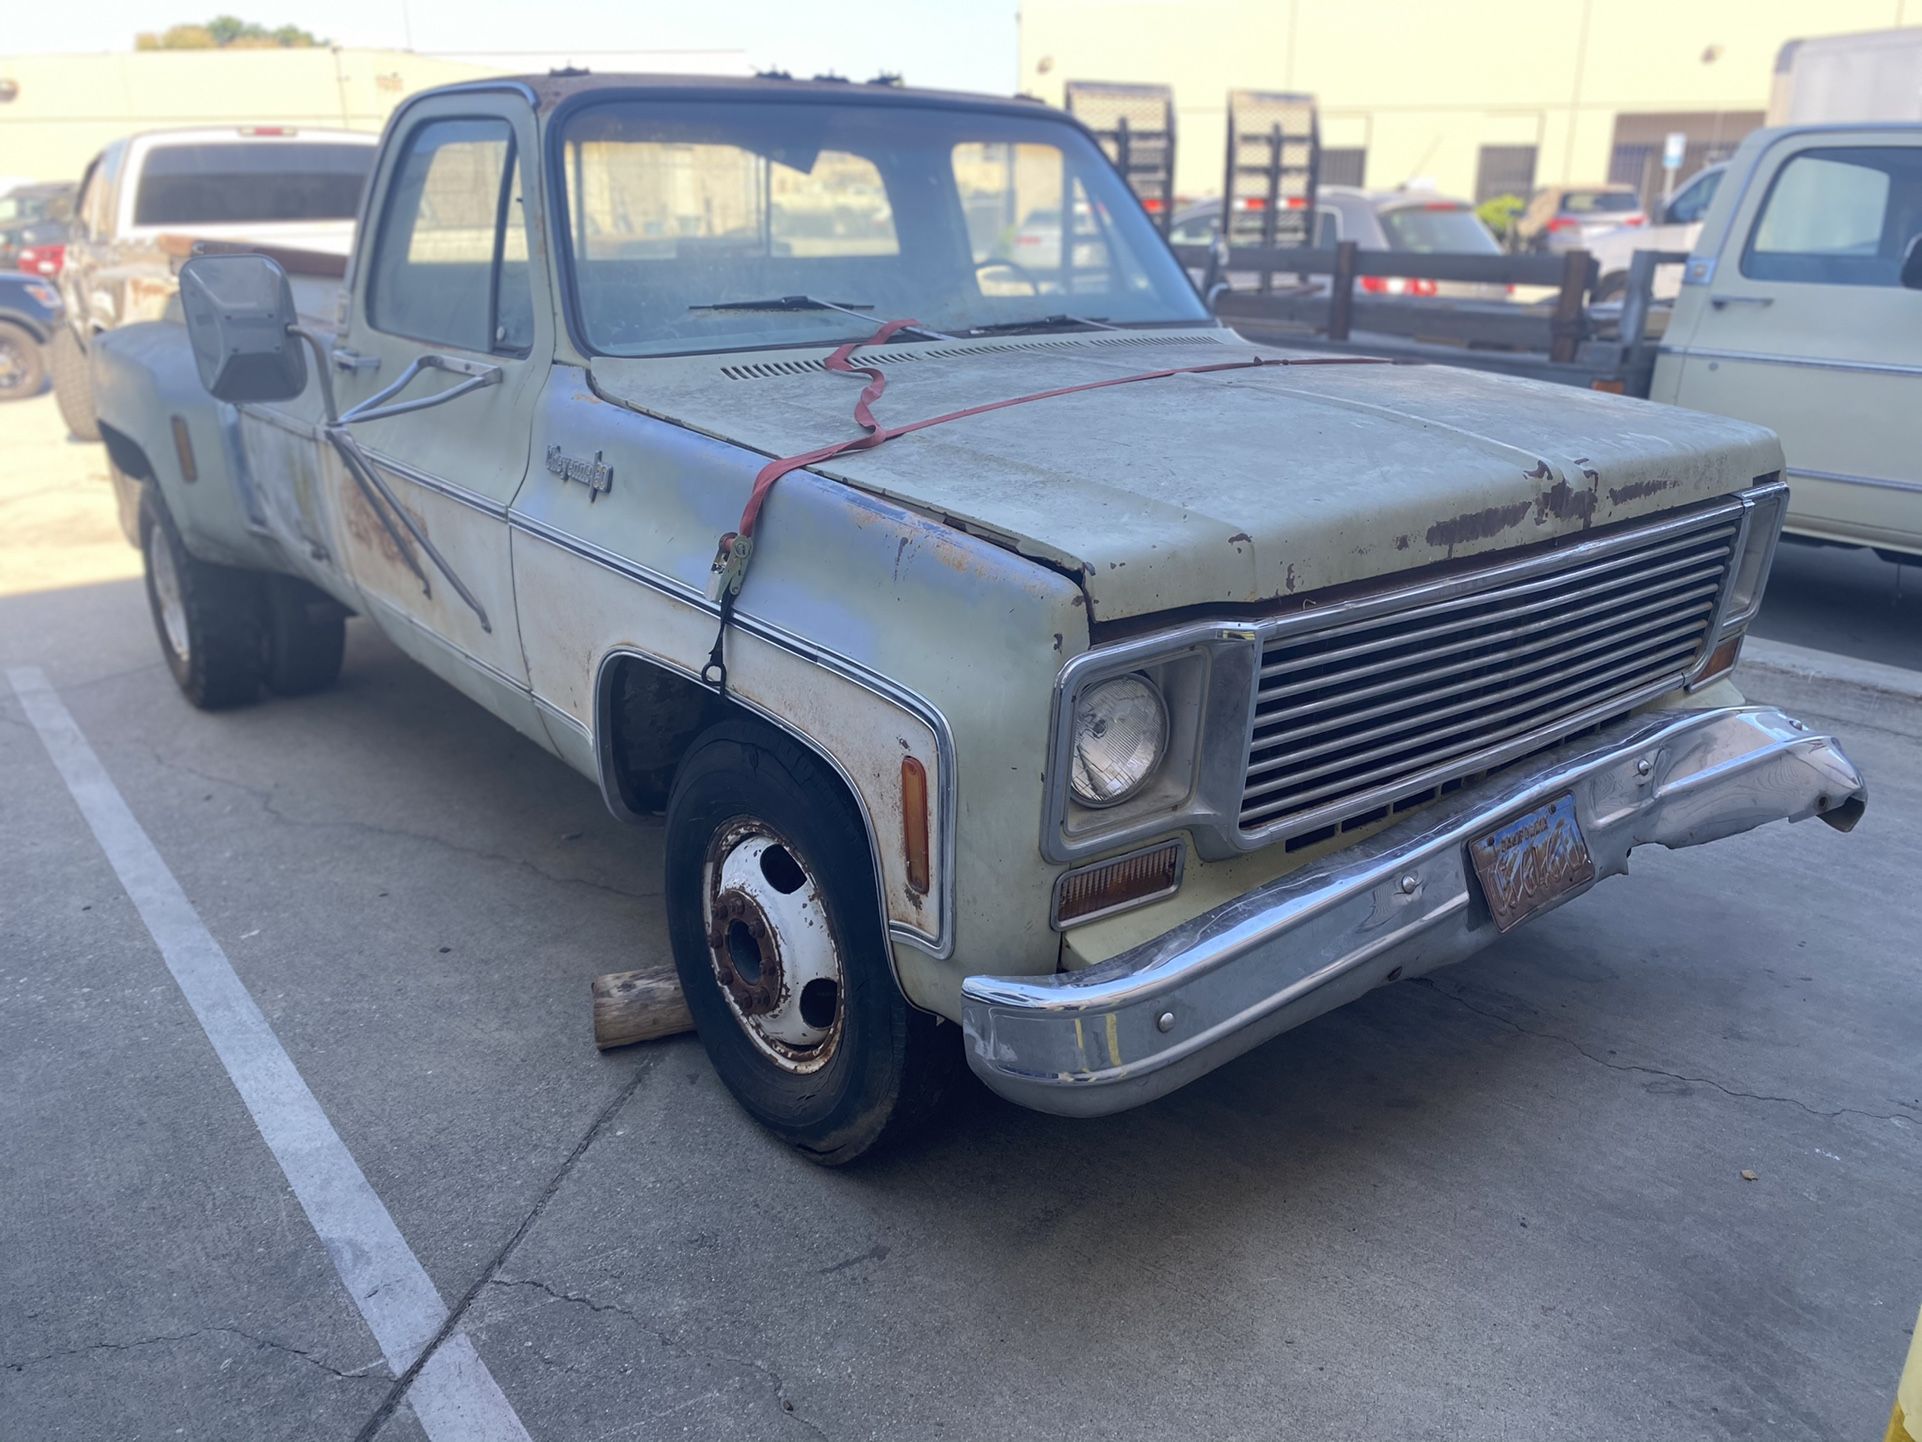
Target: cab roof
(560, 86)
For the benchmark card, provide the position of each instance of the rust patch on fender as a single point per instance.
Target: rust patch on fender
(1239, 537)
(1477, 525)
(1636, 490)
(367, 535)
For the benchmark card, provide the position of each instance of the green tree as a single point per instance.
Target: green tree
(227, 32)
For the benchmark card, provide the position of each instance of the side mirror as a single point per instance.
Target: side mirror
(1912, 264)
(240, 318)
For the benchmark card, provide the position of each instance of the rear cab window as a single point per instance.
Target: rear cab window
(238, 183)
(1437, 226)
(1838, 216)
(1600, 202)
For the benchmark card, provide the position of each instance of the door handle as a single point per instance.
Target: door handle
(1718, 301)
(347, 360)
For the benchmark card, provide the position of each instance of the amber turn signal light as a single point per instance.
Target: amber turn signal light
(1111, 886)
(184, 451)
(914, 822)
(1721, 661)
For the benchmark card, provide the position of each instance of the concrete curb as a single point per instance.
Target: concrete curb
(1832, 685)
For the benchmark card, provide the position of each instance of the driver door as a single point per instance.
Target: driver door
(444, 269)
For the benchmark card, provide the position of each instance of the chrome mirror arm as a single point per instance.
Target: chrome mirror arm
(366, 475)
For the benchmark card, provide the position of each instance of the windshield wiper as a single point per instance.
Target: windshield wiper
(856, 309)
(1042, 322)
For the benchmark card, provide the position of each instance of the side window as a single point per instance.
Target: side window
(1838, 217)
(84, 203)
(450, 260)
(96, 203)
(1195, 230)
(1691, 204)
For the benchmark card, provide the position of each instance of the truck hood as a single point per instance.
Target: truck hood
(1238, 487)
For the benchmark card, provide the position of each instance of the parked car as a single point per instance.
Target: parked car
(29, 315)
(1409, 221)
(1106, 699)
(1567, 217)
(37, 200)
(1677, 225)
(38, 247)
(274, 185)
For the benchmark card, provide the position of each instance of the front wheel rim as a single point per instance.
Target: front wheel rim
(772, 947)
(166, 589)
(13, 366)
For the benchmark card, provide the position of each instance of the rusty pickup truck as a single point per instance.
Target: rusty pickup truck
(1032, 673)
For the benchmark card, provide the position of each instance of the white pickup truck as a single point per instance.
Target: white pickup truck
(146, 198)
(1029, 669)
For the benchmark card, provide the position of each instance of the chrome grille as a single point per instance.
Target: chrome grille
(1382, 704)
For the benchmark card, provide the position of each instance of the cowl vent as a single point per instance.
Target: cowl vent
(767, 370)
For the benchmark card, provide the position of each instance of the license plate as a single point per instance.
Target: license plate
(1529, 863)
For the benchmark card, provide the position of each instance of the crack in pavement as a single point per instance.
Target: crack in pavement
(669, 1343)
(1576, 1046)
(264, 795)
(398, 1391)
(22, 1363)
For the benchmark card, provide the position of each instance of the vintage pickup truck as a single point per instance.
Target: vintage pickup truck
(1028, 668)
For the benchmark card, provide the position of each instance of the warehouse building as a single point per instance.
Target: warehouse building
(1482, 100)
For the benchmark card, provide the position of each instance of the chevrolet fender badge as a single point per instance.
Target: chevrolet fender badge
(596, 474)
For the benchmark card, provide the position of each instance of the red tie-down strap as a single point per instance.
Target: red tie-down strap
(731, 557)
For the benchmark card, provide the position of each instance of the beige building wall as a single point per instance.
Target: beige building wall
(66, 107)
(1423, 86)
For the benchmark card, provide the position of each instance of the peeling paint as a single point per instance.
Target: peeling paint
(1565, 503)
(1477, 525)
(1241, 538)
(1637, 490)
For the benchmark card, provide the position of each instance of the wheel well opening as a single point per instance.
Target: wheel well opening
(126, 454)
(649, 716)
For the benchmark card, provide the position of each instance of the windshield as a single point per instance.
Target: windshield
(951, 217)
(242, 183)
(1437, 226)
(1594, 202)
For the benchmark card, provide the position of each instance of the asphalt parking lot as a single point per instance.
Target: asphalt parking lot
(1507, 1201)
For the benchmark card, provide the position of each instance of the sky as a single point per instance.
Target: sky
(954, 44)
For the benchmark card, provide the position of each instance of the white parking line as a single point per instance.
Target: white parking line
(454, 1396)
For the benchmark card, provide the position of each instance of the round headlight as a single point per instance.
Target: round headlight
(1120, 731)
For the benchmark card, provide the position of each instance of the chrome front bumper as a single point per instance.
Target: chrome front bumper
(1402, 903)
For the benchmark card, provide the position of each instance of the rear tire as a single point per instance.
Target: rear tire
(23, 364)
(73, 385)
(770, 882)
(306, 636)
(209, 618)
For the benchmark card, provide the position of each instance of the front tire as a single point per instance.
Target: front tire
(208, 618)
(23, 366)
(73, 385)
(782, 954)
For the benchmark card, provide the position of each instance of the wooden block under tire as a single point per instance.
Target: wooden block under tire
(631, 1006)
